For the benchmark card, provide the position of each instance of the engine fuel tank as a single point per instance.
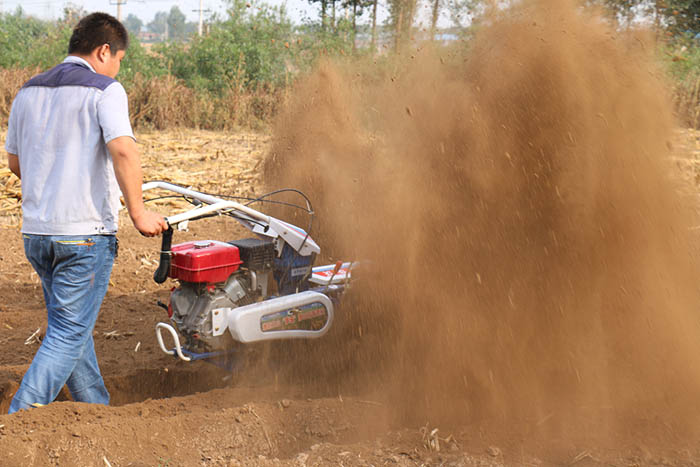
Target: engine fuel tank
(204, 261)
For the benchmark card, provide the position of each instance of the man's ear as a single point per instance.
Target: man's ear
(103, 52)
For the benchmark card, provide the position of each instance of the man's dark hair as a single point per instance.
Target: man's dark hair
(95, 30)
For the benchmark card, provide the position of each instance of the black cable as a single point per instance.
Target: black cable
(252, 221)
(162, 197)
(261, 199)
(309, 208)
(230, 214)
(196, 202)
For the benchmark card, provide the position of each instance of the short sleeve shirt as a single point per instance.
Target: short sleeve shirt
(60, 123)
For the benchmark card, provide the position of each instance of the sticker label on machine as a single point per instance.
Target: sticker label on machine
(323, 274)
(311, 317)
(302, 271)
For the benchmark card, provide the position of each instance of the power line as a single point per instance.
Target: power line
(201, 16)
(119, 4)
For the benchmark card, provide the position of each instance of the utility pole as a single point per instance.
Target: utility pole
(436, 15)
(200, 28)
(201, 13)
(119, 4)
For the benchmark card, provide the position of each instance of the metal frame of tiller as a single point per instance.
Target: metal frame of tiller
(314, 294)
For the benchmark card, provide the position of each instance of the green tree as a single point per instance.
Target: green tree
(29, 42)
(463, 12)
(677, 16)
(176, 24)
(72, 13)
(401, 16)
(159, 23)
(251, 46)
(683, 15)
(133, 24)
(357, 7)
(324, 11)
(373, 43)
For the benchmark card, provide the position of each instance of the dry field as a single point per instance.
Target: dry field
(166, 412)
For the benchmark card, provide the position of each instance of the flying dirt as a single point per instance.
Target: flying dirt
(530, 262)
(527, 287)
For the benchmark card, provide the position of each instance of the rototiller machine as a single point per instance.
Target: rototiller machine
(243, 291)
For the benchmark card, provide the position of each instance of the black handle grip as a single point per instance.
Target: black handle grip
(164, 266)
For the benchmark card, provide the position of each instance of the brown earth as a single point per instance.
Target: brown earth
(532, 300)
(167, 412)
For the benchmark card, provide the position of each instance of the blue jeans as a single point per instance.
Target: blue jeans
(74, 272)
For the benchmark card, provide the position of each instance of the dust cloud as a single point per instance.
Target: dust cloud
(526, 253)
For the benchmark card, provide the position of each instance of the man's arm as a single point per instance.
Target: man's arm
(127, 168)
(13, 163)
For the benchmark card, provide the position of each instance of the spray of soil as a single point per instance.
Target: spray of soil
(528, 254)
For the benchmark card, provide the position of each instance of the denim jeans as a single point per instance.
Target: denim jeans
(74, 273)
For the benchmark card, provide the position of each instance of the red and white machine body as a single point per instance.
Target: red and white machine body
(247, 290)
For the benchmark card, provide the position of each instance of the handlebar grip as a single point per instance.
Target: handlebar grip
(164, 265)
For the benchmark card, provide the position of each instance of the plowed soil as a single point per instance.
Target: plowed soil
(526, 222)
(167, 412)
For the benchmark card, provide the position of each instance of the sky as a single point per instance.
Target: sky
(146, 9)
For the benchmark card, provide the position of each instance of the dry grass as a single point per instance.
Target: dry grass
(687, 97)
(686, 155)
(161, 103)
(11, 79)
(211, 161)
(165, 102)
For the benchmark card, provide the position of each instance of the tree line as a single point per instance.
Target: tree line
(677, 17)
(170, 25)
(255, 43)
(256, 50)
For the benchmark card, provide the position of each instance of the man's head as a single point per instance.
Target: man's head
(101, 40)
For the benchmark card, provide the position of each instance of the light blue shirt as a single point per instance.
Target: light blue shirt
(59, 126)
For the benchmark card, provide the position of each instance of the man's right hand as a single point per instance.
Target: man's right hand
(150, 223)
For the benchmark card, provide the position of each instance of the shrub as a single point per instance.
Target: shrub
(232, 77)
(682, 57)
(252, 46)
(29, 42)
(138, 61)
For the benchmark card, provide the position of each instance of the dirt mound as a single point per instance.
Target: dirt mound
(528, 256)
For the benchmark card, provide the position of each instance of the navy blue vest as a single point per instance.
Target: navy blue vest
(70, 74)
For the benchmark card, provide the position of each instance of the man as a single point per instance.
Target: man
(70, 141)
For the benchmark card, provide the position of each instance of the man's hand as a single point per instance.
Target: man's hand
(150, 223)
(127, 168)
(13, 164)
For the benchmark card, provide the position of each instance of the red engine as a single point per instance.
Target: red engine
(207, 261)
(211, 278)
